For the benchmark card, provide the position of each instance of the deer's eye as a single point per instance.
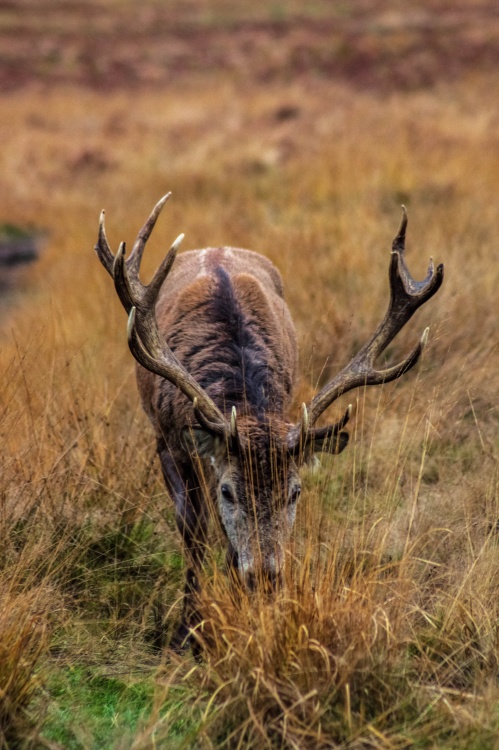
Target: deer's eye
(294, 495)
(227, 493)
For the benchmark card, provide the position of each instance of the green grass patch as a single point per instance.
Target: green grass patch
(87, 710)
(91, 710)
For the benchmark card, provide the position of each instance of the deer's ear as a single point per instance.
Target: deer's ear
(331, 444)
(201, 441)
(320, 442)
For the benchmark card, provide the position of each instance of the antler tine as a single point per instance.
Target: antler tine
(153, 288)
(399, 241)
(304, 425)
(102, 247)
(124, 290)
(406, 296)
(144, 234)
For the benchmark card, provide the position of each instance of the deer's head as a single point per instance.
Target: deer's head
(257, 483)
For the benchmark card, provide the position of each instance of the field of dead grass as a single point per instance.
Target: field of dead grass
(385, 634)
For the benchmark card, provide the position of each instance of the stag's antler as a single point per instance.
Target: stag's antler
(406, 296)
(146, 343)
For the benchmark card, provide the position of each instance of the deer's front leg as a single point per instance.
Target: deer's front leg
(192, 523)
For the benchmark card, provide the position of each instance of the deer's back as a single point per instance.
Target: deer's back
(222, 313)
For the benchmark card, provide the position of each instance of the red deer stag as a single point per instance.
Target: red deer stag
(217, 359)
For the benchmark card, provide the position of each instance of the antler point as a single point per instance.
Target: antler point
(233, 421)
(177, 242)
(131, 322)
(304, 418)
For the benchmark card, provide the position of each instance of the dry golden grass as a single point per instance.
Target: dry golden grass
(385, 634)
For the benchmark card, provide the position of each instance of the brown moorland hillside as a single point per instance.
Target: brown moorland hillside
(296, 133)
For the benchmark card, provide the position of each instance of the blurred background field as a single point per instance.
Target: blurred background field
(297, 131)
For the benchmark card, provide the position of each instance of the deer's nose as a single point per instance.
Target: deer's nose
(268, 580)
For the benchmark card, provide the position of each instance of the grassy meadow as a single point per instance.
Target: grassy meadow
(385, 634)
